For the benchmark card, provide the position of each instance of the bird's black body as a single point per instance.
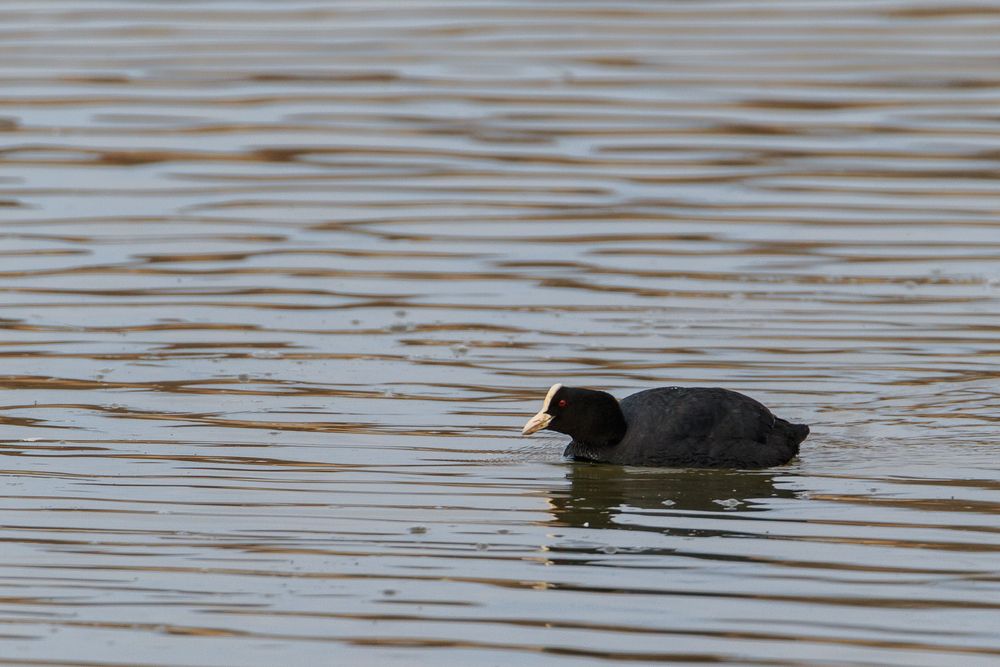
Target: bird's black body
(673, 426)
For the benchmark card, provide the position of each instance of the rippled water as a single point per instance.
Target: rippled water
(282, 281)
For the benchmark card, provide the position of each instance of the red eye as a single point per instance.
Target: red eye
(562, 403)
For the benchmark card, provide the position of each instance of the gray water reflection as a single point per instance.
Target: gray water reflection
(280, 283)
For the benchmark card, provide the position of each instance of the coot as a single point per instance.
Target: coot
(669, 426)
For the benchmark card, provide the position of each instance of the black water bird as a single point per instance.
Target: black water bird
(670, 426)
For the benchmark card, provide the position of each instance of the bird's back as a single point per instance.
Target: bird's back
(702, 427)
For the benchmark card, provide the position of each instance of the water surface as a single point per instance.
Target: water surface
(281, 282)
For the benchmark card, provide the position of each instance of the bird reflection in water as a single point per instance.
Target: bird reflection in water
(651, 499)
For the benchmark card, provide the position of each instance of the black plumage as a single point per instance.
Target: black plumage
(669, 426)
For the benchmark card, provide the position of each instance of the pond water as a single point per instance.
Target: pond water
(282, 281)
